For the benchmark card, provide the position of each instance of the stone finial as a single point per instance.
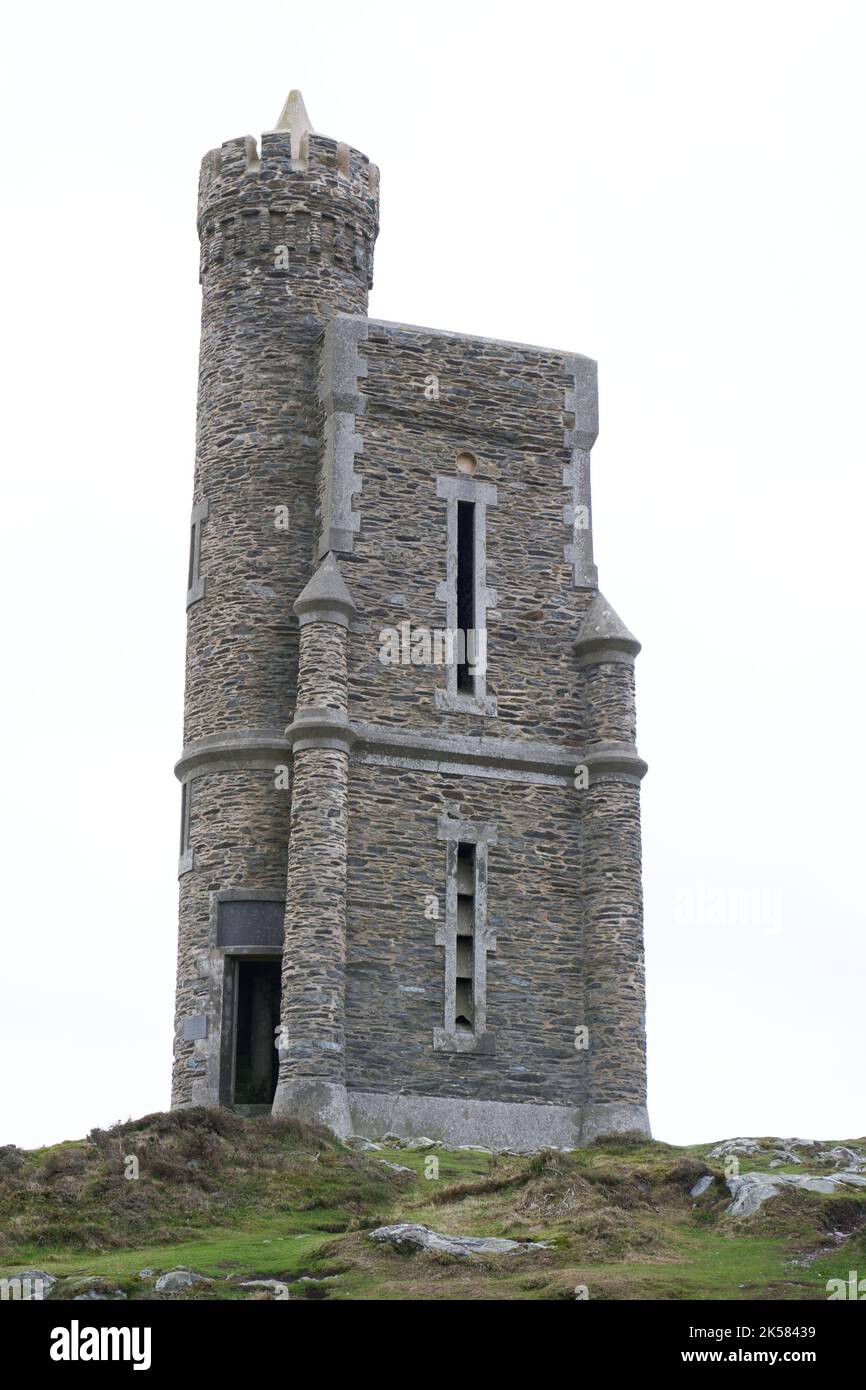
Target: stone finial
(604, 636)
(294, 118)
(326, 598)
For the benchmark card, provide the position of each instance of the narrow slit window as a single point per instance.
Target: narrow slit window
(466, 594)
(464, 994)
(466, 937)
(466, 591)
(185, 859)
(185, 795)
(195, 580)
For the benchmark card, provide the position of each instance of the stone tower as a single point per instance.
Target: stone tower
(410, 882)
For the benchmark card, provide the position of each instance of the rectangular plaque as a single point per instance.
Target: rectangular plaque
(251, 923)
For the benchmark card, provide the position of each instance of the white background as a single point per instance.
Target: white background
(674, 189)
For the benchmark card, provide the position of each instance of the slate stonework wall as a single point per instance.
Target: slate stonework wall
(395, 971)
(506, 405)
(312, 1011)
(322, 680)
(313, 960)
(610, 886)
(240, 829)
(609, 702)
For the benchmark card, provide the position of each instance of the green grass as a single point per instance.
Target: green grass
(240, 1198)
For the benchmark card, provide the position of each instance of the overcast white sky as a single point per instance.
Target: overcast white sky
(675, 189)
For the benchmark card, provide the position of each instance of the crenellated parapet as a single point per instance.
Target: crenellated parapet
(299, 199)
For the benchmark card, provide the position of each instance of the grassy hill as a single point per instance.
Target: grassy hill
(243, 1199)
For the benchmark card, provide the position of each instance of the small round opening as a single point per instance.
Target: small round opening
(466, 462)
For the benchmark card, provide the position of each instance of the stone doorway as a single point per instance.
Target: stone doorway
(256, 1016)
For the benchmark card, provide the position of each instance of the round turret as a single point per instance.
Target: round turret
(304, 210)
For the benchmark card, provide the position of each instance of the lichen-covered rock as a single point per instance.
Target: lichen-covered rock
(47, 1280)
(746, 1147)
(411, 1238)
(178, 1279)
(99, 1296)
(702, 1185)
(849, 1159)
(750, 1190)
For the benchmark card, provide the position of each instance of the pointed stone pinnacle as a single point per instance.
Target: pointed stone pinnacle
(294, 118)
(326, 598)
(603, 629)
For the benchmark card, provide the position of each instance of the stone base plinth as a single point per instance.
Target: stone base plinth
(316, 1103)
(494, 1124)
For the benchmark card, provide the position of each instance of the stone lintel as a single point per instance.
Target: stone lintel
(468, 832)
(462, 489)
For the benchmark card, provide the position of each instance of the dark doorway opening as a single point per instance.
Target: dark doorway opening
(257, 1014)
